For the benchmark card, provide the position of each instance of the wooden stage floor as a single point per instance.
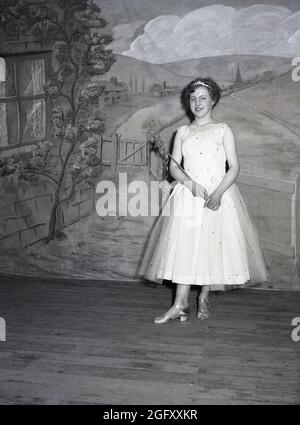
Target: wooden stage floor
(94, 342)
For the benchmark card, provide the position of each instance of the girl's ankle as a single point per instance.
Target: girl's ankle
(203, 297)
(181, 305)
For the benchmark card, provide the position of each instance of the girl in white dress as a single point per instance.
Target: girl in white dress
(204, 235)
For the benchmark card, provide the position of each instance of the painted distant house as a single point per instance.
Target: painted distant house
(114, 92)
(163, 90)
(168, 91)
(227, 87)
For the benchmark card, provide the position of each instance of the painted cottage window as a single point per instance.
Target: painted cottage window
(23, 104)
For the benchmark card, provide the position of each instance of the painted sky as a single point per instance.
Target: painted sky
(187, 31)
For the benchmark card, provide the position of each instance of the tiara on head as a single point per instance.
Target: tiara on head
(200, 83)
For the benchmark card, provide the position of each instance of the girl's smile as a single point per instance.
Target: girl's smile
(200, 102)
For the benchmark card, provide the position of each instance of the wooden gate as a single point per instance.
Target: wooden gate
(117, 150)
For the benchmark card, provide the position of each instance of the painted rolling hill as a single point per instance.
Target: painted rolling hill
(222, 68)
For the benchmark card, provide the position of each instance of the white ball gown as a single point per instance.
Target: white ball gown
(190, 244)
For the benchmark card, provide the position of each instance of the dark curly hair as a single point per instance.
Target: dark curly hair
(212, 87)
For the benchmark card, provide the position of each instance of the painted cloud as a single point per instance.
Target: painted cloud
(219, 30)
(123, 34)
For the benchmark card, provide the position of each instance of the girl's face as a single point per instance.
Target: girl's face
(200, 102)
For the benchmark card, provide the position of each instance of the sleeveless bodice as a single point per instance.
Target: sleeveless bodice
(204, 155)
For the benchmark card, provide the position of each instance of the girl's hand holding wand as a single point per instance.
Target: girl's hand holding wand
(194, 187)
(198, 190)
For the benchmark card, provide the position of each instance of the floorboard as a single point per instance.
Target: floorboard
(93, 342)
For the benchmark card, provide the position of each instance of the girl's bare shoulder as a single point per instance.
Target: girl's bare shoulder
(181, 130)
(226, 126)
(222, 124)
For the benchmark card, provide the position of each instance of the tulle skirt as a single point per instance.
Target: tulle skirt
(193, 245)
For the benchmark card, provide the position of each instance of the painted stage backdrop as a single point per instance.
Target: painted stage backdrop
(85, 86)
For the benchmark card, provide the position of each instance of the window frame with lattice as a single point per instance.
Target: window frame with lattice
(20, 99)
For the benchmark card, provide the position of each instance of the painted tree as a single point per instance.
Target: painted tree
(238, 77)
(74, 30)
(143, 84)
(135, 84)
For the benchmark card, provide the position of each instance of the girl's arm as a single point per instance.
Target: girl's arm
(214, 200)
(177, 174)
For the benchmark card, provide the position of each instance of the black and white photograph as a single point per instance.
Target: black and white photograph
(149, 204)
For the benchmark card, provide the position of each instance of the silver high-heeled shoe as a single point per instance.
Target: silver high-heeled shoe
(182, 314)
(203, 309)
